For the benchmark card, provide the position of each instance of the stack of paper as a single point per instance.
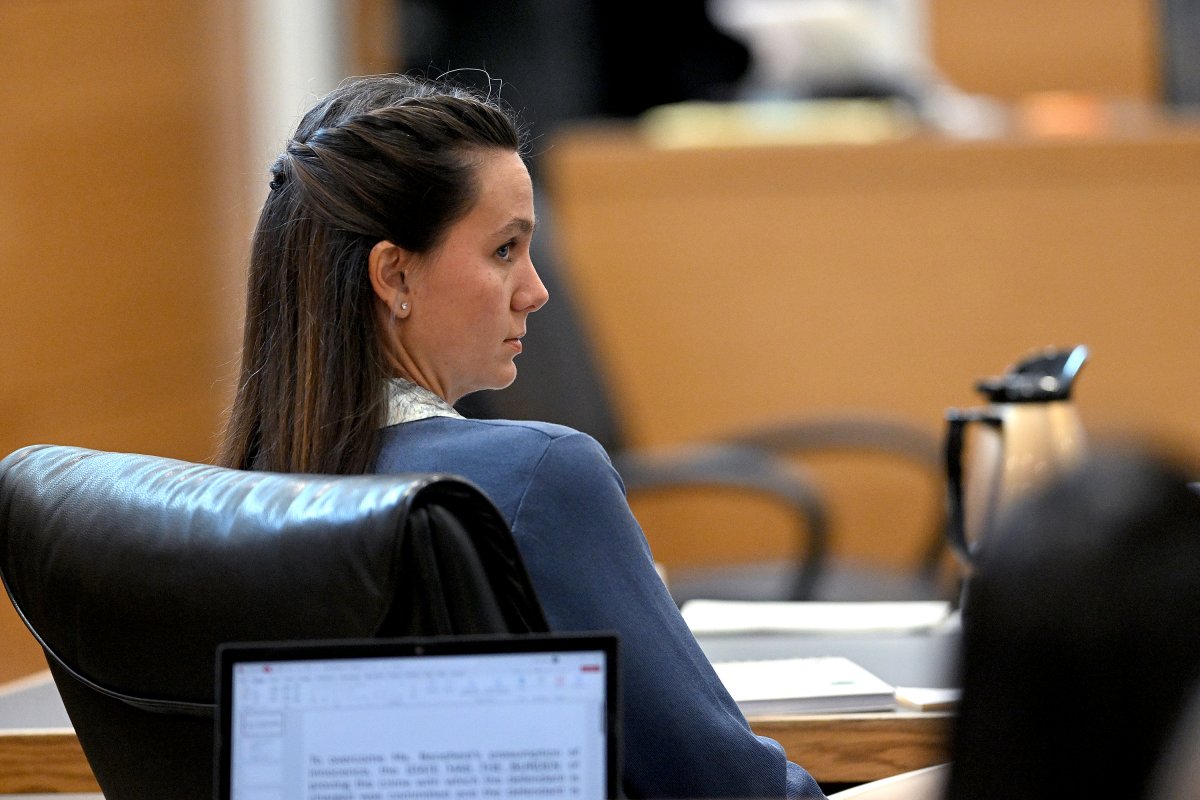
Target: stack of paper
(742, 616)
(926, 699)
(815, 685)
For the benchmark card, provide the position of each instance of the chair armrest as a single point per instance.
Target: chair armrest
(860, 433)
(850, 432)
(745, 469)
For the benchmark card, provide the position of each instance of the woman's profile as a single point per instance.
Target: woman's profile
(390, 276)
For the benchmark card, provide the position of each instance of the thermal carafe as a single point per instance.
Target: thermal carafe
(1028, 432)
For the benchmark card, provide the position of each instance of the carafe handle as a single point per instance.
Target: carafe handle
(956, 522)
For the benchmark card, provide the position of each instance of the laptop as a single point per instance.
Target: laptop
(533, 715)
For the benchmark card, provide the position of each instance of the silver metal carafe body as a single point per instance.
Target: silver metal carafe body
(1028, 433)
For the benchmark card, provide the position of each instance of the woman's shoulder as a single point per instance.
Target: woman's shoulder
(519, 429)
(557, 446)
(507, 458)
(510, 439)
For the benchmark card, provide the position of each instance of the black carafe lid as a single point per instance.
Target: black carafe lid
(1040, 377)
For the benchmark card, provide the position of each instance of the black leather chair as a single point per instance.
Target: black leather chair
(131, 569)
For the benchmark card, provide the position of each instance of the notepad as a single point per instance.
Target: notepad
(812, 685)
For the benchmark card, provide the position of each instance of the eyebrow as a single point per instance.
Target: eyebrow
(515, 226)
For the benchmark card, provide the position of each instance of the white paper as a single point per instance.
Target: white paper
(804, 685)
(741, 616)
(927, 699)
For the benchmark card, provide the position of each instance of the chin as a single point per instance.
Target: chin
(508, 375)
(502, 380)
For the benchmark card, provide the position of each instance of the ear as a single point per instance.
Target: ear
(388, 265)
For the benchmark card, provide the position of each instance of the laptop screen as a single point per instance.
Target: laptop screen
(409, 719)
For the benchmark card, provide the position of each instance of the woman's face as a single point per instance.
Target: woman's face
(470, 297)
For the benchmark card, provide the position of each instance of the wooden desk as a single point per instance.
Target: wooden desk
(855, 748)
(839, 748)
(48, 760)
(844, 748)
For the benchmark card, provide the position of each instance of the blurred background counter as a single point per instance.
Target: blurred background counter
(729, 286)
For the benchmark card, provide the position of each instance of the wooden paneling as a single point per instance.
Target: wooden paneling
(728, 287)
(372, 35)
(121, 230)
(1007, 48)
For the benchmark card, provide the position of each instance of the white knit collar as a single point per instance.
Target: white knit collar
(408, 402)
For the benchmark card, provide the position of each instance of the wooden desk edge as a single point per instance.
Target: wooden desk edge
(855, 748)
(849, 748)
(46, 760)
(25, 683)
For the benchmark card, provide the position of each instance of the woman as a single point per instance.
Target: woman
(390, 276)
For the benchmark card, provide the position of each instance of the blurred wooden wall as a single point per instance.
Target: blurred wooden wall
(803, 281)
(122, 231)
(1009, 48)
(731, 287)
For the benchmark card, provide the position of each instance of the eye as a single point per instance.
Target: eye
(505, 251)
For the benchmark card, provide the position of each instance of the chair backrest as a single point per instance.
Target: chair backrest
(131, 569)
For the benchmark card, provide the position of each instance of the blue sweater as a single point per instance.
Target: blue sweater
(684, 737)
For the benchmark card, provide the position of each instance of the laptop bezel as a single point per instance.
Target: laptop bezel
(230, 654)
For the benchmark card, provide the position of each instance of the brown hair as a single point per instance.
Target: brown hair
(381, 157)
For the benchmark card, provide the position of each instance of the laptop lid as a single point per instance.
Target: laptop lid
(534, 715)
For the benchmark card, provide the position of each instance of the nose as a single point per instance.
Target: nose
(532, 294)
